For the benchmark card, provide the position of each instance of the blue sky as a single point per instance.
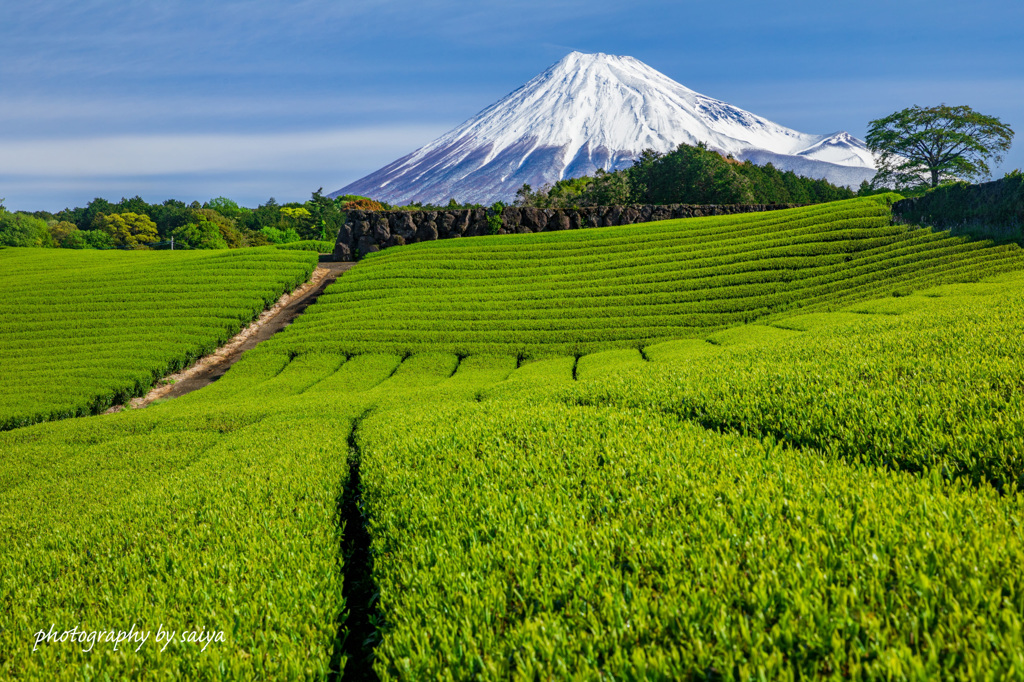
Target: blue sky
(252, 99)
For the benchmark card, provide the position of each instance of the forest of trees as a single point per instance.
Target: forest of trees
(217, 224)
(688, 175)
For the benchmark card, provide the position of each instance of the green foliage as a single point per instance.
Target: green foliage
(66, 235)
(265, 215)
(276, 236)
(208, 522)
(865, 189)
(604, 189)
(688, 175)
(319, 218)
(229, 233)
(920, 383)
(327, 217)
(934, 144)
(127, 229)
(309, 245)
(84, 217)
(551, 541)
(201, 235)
(171, 215)
(297, 216)
(21, 229)
(768, 185)
(346, 198)
(567, 193)
(992, 210)
(97, 239)
(608, 189)
(494, 217)
(525, 196)
(127, 320)
(830, 492)
(226, 207)
(561, 293)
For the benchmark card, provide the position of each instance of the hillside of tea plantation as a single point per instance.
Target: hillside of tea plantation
(772, 446)
(81, 331)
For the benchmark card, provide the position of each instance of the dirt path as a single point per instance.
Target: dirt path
(212, 367)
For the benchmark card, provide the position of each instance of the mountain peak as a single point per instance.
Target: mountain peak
(590, 111)
(586, 58)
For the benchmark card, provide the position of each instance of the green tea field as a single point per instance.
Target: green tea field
(786, 445)
(81, 331)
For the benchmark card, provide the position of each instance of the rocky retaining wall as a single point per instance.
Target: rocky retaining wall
(368, 231)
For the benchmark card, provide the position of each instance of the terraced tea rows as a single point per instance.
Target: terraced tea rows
(525, 541)
(583, 291)
(317, 245)
(924, 382)
(209, 522)
(83, 330)
(833, 491)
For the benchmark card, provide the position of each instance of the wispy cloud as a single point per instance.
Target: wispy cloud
(32, 116)
(162, 154)
(50, 174)
(27, 193)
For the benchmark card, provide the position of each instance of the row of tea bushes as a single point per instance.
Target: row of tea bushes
(81, 331)
(929, 381)
(216, 524)
(586, 291)
(525, 541)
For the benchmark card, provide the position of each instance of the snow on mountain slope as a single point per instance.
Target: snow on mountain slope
(593, 111)
(841, 148)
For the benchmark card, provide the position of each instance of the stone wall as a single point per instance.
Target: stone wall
(368, 231)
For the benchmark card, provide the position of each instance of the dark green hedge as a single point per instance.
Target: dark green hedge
(992, 209)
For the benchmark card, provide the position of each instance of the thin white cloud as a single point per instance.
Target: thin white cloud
(27, 112)
(157, 154)
(26, 193)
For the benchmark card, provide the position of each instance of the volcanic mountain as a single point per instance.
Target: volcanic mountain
(593, 111)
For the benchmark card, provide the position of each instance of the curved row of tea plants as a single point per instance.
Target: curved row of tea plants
(216, 512)
(721, 506)
(83, 330)
(516, 532)
(318, 245)
(583, 291)
(525, 524)
(214, 522)
(931, 381)
(526, 541)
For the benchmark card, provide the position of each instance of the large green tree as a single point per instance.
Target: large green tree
(934, 144)
(21, 229)
(128, 229)
(328, 218)
(688, 175)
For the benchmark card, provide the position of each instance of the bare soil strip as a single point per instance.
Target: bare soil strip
(208, 369)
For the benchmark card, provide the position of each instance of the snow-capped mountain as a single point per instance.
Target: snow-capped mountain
(593, 111)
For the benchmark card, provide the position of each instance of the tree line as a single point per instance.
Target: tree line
(688, 175)
(217, 224)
